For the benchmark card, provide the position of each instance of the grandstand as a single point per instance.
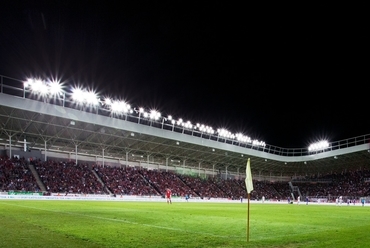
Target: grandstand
(44, 126)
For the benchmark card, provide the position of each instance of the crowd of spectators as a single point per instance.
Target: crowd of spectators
(204, 188)
(16, 176)
(124, 181)
(350, 183)
(66, 177)
(163, 180)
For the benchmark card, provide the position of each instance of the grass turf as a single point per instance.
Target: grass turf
(48, 223)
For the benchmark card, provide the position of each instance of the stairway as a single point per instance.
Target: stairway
(37, 177)
(294, 189)
(101, 181)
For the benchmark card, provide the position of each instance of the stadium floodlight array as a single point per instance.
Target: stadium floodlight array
(182, 123)
(318, 146)
(154, 114)
(82, 96)
(242, 138)
(44, 88)
(205, 128)
(258, 143)
(116, 107)
(222, 132)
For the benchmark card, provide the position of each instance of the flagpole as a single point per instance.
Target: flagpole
(248, 219)
(249, 188)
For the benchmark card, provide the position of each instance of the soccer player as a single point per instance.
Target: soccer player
(168, 196)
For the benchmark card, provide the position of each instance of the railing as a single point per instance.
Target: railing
(15, 87)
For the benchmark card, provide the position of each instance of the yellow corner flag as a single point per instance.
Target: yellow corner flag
(248, 178)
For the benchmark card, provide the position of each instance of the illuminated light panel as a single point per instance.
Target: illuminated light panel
(116, 106)
(204, 128)
(258, 143)
(187, 124)
(225, 133)
(43, 88)
(83, 96)
(55, 88)
(243, 138)
(321, 145)
(154, 115)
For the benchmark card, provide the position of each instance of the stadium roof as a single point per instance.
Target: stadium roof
(94, 132)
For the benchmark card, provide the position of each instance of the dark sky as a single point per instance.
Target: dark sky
(287, 75)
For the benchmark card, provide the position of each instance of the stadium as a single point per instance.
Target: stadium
(41, 124)
(209, 91)
(79, 171)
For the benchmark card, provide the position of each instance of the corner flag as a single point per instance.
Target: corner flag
(248, 178)
(249, 186)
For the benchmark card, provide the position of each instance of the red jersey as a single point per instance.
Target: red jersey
(168, 193)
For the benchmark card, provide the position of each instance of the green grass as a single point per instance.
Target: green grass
(47, 223)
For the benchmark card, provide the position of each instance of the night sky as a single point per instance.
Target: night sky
(286, 75)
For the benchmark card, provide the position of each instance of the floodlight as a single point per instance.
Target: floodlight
(119, 107)
(258, 143)
(28, 83)
(37, 85)
(321, 145)
(55, 88)
(82, 96)
(242, 138)
(224, 133)
(108, 101)
(154, 115)
(77, 95)
(91, 98)
(179, 121)
(188, 125)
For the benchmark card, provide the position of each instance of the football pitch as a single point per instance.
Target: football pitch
(66, 223)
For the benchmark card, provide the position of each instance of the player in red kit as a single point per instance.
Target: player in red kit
(168, 196)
